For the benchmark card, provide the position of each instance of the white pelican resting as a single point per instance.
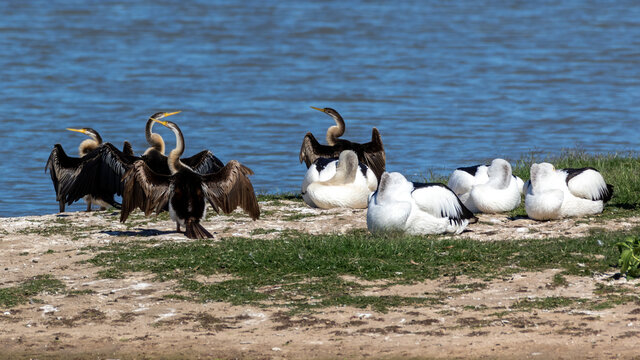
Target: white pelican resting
(500, 193)
(464, 178)
(416, 208)
(554, 194)
(341, 182)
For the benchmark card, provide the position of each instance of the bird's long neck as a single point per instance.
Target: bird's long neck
(175, 164)
(89, 145)
(154, 140)
(334, 132)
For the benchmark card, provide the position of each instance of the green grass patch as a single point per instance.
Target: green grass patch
(547, 303)
(298, 216)
(302, 271)
(20, 294)
(559, 280)
(291, 196)
(468, 288)
(261, 231)
(50, 230)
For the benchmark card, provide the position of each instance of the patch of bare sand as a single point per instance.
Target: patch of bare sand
(139, 317)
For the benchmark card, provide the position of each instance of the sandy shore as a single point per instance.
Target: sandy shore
(133, 317)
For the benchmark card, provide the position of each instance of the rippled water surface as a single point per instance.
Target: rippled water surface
(447, 84)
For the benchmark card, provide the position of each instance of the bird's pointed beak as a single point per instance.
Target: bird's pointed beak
(315, 108)
(160, 122)
(172, 113)
(77, 130)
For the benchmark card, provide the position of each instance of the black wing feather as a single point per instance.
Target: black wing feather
(471, 169)
(98, 174)
(464, 212)
(203, 162)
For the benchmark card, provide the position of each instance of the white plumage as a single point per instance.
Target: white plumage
(463, 179)
(501, 192)
(400, 205)
(341, 182)
(487, 189)
(555, 194)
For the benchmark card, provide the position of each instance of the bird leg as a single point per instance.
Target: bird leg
(177, 226)
(88, 206)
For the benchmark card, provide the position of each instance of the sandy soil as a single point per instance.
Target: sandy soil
(131, 318)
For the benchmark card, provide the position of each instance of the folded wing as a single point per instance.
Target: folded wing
(588, 183)
(440, 201)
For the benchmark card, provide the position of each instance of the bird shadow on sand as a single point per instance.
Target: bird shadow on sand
(139, 232)
(518, 217)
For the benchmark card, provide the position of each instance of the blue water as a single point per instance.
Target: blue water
(447, 84)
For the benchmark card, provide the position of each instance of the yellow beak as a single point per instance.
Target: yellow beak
(160, 122)
(315, 108)
(77, 130)
(172, 113)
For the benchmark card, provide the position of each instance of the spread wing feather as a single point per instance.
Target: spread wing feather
(63, 169)
(98, 173)
(229, 188)
(127, 149)
(203, 162)
(144, 189)
(373, 154)
(311, 150)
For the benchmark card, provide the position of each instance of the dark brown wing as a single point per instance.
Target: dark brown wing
(157, 162)
(98, 174)
(63, 170)
(127, 149)
(203, 162)
(373, 154)
(229, 188)
(144, 189)
(311, 150)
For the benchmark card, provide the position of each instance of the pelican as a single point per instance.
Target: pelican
(416, 208)
(95, 175)
(501, 192)
(555, 194)
(341, 182)
(464, 179)
(185, 191)
(371, 153)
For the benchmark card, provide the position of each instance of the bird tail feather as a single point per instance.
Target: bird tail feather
(195, 230)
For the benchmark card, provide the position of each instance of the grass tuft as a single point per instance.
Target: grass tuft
(22, 293)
